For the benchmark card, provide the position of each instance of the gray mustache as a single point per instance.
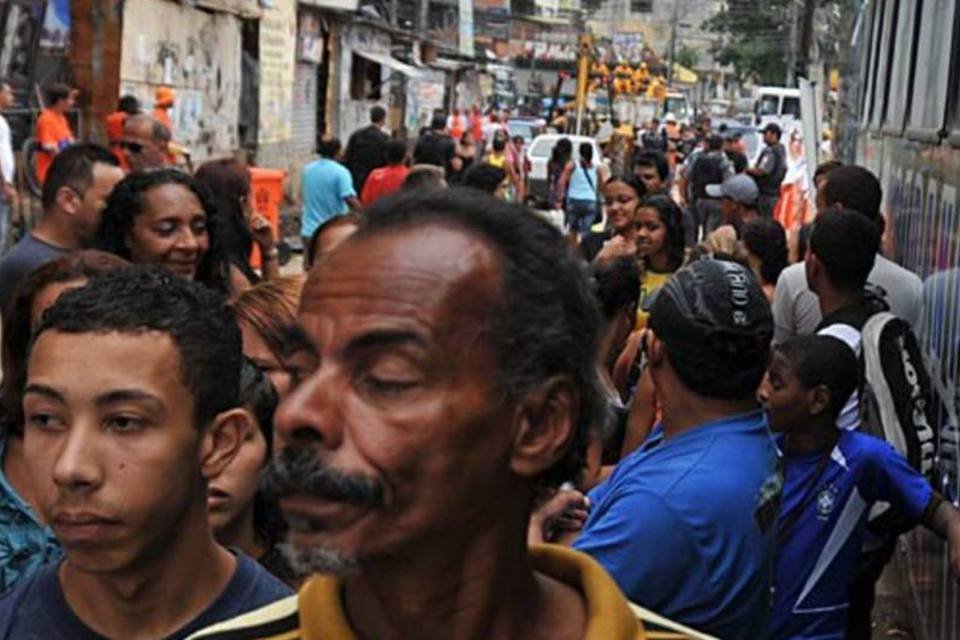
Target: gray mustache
(299, 471)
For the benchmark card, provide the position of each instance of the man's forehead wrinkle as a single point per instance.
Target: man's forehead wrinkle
(416, 275)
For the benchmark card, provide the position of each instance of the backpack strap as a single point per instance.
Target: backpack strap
(870, 355)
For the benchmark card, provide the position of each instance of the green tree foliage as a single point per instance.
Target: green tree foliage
(758, 38)
(688, 57)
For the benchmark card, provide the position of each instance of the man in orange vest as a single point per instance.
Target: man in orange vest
(456, 125)
(163, 100)
(53, 130)
(127, 106)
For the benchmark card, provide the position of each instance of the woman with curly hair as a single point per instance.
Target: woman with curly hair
(166, 217)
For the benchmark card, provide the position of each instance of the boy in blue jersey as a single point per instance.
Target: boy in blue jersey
(832, 479)
(130, 407)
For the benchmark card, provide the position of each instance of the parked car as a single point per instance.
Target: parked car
(538, 154)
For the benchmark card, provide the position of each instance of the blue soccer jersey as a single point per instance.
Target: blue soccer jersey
(823, 516)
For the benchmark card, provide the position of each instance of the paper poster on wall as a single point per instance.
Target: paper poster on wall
(278, 46)
(197, 54)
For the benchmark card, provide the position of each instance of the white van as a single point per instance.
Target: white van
(780, 105)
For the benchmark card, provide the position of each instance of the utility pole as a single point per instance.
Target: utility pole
(423, 13)
(792, 19)
(673, 41)
(805, 40)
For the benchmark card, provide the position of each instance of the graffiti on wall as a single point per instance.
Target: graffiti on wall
(195, 52)
(278, 43)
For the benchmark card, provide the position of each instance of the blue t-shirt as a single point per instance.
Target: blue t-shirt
(686, 525)
(24, 257)
(37, 609)
(326, 186)
(820, 547)
(583, 184)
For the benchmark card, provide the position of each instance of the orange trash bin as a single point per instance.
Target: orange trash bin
(266, 187)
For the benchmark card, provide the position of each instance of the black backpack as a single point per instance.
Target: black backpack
(896, 401)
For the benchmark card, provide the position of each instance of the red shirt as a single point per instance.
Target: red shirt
(382, 182)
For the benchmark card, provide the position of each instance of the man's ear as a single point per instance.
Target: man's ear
(67, 200)
(812, 266)
(222, 439)
(819, 398)
(545, 423)
(656, 349)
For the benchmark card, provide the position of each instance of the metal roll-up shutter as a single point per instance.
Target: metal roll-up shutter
(305, 109)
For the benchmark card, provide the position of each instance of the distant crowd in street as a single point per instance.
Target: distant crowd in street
(648, 416)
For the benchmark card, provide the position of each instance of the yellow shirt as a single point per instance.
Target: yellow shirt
(497, 160)
(317, 611)
(650, 283)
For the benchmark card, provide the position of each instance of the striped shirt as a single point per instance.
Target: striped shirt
(318, 611)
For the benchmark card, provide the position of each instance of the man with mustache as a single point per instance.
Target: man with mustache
(130, 407)
(446, 376)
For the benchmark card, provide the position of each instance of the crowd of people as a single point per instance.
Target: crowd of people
(463, 422)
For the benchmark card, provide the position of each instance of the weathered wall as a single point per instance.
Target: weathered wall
(353, 114)
(278, 43)
(196, 52)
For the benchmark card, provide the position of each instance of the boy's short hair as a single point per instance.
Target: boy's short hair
(846, 243)
(824, 360)
(141, 299)
(656, 160)
(396, 151)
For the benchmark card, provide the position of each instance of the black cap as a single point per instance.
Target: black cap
(713, 316)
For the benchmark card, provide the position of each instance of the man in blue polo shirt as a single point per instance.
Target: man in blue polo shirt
(685, 524)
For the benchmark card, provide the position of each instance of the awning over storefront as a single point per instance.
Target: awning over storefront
(392, 63)
(683, 75)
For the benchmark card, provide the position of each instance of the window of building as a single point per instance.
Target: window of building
(932, 70)
(641, 6)
(366, 79)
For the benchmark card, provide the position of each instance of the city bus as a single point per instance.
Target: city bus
(909, 135)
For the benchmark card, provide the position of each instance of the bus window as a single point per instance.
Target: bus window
(884, 60)
(932, 70)
(872, 46)
(791, 107)
(868, 61)
(900, 76)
